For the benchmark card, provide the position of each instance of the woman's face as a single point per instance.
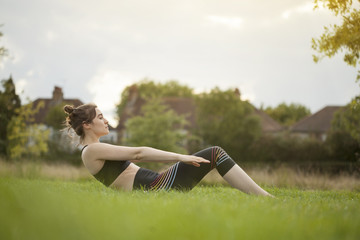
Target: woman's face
(99, 124)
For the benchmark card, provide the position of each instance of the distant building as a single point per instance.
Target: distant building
(316, 125)
(183, 106)
(268, 124)
(57, 99)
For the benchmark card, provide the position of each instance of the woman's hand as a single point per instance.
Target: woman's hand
(193, 160)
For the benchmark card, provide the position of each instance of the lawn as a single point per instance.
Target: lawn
(84, 209)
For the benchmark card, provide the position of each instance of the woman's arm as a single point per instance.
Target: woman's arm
(103, 151)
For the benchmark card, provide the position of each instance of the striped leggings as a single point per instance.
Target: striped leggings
(182, 176)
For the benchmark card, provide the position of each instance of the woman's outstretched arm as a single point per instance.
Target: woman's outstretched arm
(104, 151)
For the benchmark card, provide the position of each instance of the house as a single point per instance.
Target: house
(57, 99)
(48, 103)
(268, 124)
(184, 106)
(316, 125)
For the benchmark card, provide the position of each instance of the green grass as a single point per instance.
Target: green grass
(47, 209)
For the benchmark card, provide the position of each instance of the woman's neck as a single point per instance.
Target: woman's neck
(89, 139)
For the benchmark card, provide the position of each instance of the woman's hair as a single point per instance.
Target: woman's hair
(79, 115)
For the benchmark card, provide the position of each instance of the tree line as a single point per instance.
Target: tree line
(221, 118)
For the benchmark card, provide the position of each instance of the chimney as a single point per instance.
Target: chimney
(58, 95)
(237, 92)
(133, 95)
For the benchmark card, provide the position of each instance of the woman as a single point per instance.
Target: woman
(114, 165)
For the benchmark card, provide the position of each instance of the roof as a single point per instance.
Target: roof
(57, 99)
(186, 106)
(268, 124)
(319, 122)
(181, 105)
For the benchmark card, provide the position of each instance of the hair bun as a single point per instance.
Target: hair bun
(68, 109)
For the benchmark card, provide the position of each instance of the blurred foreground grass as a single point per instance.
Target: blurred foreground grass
(84, 209)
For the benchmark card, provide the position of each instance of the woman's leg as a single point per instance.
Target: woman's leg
(238, 179)
(183, 176)
(188, 176)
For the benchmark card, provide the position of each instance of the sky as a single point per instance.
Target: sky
(94, 49)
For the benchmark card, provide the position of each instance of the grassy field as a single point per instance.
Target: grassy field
(279, 177)
(34, 208)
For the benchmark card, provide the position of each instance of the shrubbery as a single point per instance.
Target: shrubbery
(285, 149)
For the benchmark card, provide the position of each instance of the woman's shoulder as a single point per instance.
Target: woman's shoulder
(94, 146)
(106, 151)
(88, 150)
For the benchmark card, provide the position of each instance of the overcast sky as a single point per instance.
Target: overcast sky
(93, 49)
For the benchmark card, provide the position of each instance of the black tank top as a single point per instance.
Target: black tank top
(110, 171)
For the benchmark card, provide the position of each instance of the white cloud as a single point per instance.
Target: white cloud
(15, 53)
(50, 36)
(20, 85)
(231, 22)
(106, 87)
(247, 91)
(196, 42)
(308, 7)
(30, 73)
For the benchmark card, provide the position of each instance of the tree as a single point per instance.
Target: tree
(345, 37)
(158, 127)
(55, 117)
(224, 120)
(287, 115)
(148, 89)
(348, 119)
(9, 102)
(25, 138)
(344, 136)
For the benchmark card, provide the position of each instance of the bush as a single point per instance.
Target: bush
(343, 147)
(286, 149)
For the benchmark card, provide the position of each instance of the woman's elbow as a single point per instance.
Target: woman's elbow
(140, 153)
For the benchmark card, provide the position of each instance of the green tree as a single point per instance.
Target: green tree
(9, 102)
(224, 120)
(55, 117)
(25, 138)
(158, 127)
(340, 38)
(348, 119)
(287, 115)
(148, 89)
(344, 136)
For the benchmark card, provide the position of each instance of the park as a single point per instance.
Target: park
(173, 79)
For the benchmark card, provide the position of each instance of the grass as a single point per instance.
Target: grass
(284, 177)
(33, 208)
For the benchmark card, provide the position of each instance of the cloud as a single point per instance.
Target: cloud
(231, 22)
(307, 7)
(51, 36)
(30, 73)
(247, 91)
(20, 86)
(201, 43)
(15, 53)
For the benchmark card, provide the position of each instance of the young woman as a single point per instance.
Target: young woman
(114, 165)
